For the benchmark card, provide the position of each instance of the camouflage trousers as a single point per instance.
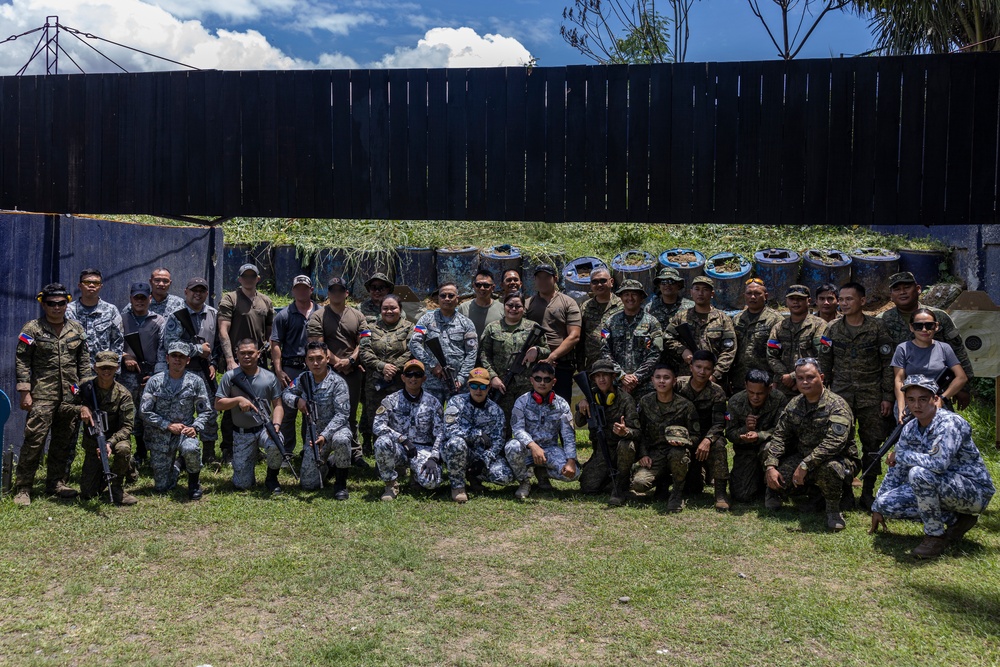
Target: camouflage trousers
(92, 476)
(335, 452)
(829, 478)
(522, 463)
(438, 389)
(717, 464)
(518, 387)
(163, 447)
(596, 475)
(61, 418)
(746, 480)
(872, 433)
(245, 447)
(390, 456)
(930, 497)
(488, 466)
(372, 399)
(674, 461)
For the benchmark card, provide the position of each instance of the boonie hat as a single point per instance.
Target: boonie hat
(668, 273)
(677, 433)
(249, 267)
(302, 280)
(631, 285)
(922, 381)
(797, 290)
(901, 278)
(140, 288)
(106, 359)
(379, 276)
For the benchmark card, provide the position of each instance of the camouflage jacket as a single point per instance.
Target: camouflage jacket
(459, 342)
(464, 419)
(593, 315)
(767, 418)
(117, 403)
(167, 306)
(332, 397)
(819, 432)
(633, 343)
(418, 422)
(544, 423)
(664, 312)
(207, 324)
(51, 366)
(502, 342)
(789, 342)
(898, 326)
(371, 310)
(752, 333)
(858, 366)
(710, 403)
(655, 416)
(384, 346)
(716, 335)
(103, 324)
(622, 406)
(164, 403)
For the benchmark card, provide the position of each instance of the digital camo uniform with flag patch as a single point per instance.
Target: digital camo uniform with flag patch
(593, 315)
(713, 332)
(663, 424)
(746, 480)
(103, 324)
(752, 335)
(480, 431)
(500, 345)
(166, 401)
(543, 422)
(634, 344)
(459, 342)
(383, 345)
(710, 403)
(789, 341)
(333, 404)
(403, 423)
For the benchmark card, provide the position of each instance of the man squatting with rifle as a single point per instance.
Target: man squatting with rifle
(106, 409)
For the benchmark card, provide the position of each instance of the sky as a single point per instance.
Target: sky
(335, 34)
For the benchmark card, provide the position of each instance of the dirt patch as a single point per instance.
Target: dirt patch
(634, 258)
(682, 258)
(731, 265)
(872, 252)
(826, 256)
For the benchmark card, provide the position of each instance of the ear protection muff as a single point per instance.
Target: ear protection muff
(42, 295)
(540, 399)
(605, 400)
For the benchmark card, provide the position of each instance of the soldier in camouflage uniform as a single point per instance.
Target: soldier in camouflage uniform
(857, 366)
(51, 361)
(409, 432)
(621, 430)
(169, 404)
(711, 329)
(333, 433)
(753, 327)
(459, 342)
(668, 422)
(709, 443)
(540, 419)
(753, 414)
(378, 286)
(633, 341)
(384, 348)
(812, 445)
(936, 474)
(666, 302)
(797, 336)
(161, 301)
(115, 401)
(100, 319)
(827, 306)
(594, 311)
(137, 318)
(476, 424)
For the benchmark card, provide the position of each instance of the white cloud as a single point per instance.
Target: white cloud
(235, 10)
(458, 47)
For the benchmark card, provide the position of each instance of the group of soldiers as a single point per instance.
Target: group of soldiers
(677, 384)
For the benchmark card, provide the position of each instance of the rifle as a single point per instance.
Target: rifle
(97, 431)
(517, 366)
(434, 345)
(134, 342)
(308, 393)
(686, 335)
(596, 422)
(263, 410)
(184, 317)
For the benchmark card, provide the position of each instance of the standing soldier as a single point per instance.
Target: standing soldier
(51, 361)
(666, 301)
(710, 328)
(798, 336)
(632, 340)
(288, 346)
(138, 319)
(475, 424)
(100, 319)
(161, 301)
(115, 401)
(857, 366)
(385, 348)
(753, 327)
(169, 404)
(378, 286)
(753, 414)
(560, 316)
(709, 444)
(827, 306)
(459, 342)
(483, 309)
(593, 313)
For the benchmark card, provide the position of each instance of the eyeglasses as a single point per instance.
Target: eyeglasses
(141, 297)
(56, 304)
(542, 379)
(478, 386)
(924, 326)
(413, 374)
(754, 281)
(91, 283)
(513, 306)
(598, 281)
(807, 361)
(484, 285)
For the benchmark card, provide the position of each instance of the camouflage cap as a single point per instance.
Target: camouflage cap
(177, 347)
(106, 359)
(631, 285)
(901, 278)
(797, 290)
(921, 381)
(670, 274)
(703, 280)
(603, 366)
(379, 276)
(677, 433)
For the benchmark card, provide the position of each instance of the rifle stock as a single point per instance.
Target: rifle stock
(517, 366)
(184, 317)
(241, 382)
(308, 393)
(98, 430)
(596, 422)
(134, 342)
(434, 345)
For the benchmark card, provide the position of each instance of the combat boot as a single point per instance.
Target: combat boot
(772, 500)
(524, 490)
(120, 497)
(867, 494)
(542, 474)
(962, 525)
(64, 491)
(618, 491)
(930, 547)
(391, 490)
(194, 487)
(458, 495)
(835, 521)
(675, 503)
(271, 481)
(340, 484)
(23, 498)
(721, 497)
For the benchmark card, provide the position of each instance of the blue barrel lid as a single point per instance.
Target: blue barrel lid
(503, 251)
(776, 256)
(619, 265)
(572, 270)
(724, 257)
(411, 248)
(875, 254)
(666, 261)
(457, 251)
(827, 257)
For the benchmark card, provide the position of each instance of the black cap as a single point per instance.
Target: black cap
(197, 282)
(546, 268)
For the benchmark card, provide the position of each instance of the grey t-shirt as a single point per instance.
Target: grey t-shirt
(929, 361)
(481, 316)
(265, 385)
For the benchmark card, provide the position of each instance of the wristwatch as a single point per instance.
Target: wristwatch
(803, 466)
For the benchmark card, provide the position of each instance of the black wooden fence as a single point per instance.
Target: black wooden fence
(910, 140)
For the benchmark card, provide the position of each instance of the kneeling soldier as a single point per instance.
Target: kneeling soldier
(753, 414)
(709, 444)
(621, 428)
(115, 401)
(474, 423)
(409, 431)
(331, 396)
(169, 403)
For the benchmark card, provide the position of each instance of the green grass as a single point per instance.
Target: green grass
(241, 578)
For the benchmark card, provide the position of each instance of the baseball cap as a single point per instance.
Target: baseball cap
(668, 273)
(140, 288)
(921, 381)
(703, 280)
(197, 282)
(336, 281)
(901, 278)
(302, 280)
(249, 267)
(178, 346)
(546, 268)
(106, 359)
(413, 363)
(797, 290)
(479, 375)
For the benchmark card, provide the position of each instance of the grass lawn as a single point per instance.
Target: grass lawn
(243, 579)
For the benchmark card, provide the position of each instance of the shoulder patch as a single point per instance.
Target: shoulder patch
(728, 343)
(838, 429)
(885, 349)
(26, 339)
(381, 410)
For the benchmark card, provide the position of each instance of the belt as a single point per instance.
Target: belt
(252, 429)
(293, 361)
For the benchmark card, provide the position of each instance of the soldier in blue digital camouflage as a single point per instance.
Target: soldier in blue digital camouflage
(476, 424)
(161, 301)
(100, 319)
(632, 341)
(176, 409)
(409, 433)
(459, 342)
(333, 404)
(540, 419)
(936, 474)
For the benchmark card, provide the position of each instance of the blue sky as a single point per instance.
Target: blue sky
(273, 34)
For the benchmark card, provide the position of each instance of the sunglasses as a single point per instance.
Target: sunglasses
(513, 306)
(807, 361)
(141, 297)
(754, 281)
(447, 297)
(924, 326)
(91, 283)
(543, 379)
(484, 285)
(598, 281)
(413, 374)
(378, 288)
(56, 304)
(478, 386)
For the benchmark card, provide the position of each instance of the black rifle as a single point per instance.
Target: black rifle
(184, 317)
(134, 341)
(686, 335)
(517, 366)
(434, 345)
(596, 422)
(97, 431)
(309, 396)
(241, 382)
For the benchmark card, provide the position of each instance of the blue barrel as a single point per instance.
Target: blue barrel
(778, 268)
(328, 263)
(498, 259)
(287, 265)
(689, 263)
(576, 276)
(825, 265)
(634, 265)
(728, 271)
(925, 265)
(555, 258)
(235, 256)
(362, 265)
(417, 269)
(872, 267)
(457, 265)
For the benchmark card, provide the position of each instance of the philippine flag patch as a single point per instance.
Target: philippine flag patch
(826, 341)
(605, 333)
(420, 329)
(774, 344)
(26, 339)
(73, 389)
(728, 417)
(365, 334)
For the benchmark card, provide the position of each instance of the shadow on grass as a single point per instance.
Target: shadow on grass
(970, 611)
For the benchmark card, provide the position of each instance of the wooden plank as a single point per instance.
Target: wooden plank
(682, 143)
(838, 210)
(576, 144)
(458, 132)
(960, 139)
(555, 144)
(617, 146)
(297, 138)
(361, 177)
(10, 125)
(250, 142)
(342, 135)
(417, 153)
(703, 169)
(232, 133)
(515, 129)
(59, 110)
(321, 145)
(158, 115)
(76, 143)
(199, 161)
(935, 139)
(398, 148)
(747, 144)
(212, 137)
(496, 143)
(772, 115)
(660, 141)
(887, 122)
(378, 144)
(267, 129)
(793, 139)
(817, 144)
(475, 109)
(727, 91)
(596, 155)
(534, 140)
(911, 148)
(438, 143)
(863, 174)
(637, 170)
(109, 200)
(985, 119)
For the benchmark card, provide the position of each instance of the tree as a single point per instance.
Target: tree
(933, 26)
(790, 43)
(613, 32)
